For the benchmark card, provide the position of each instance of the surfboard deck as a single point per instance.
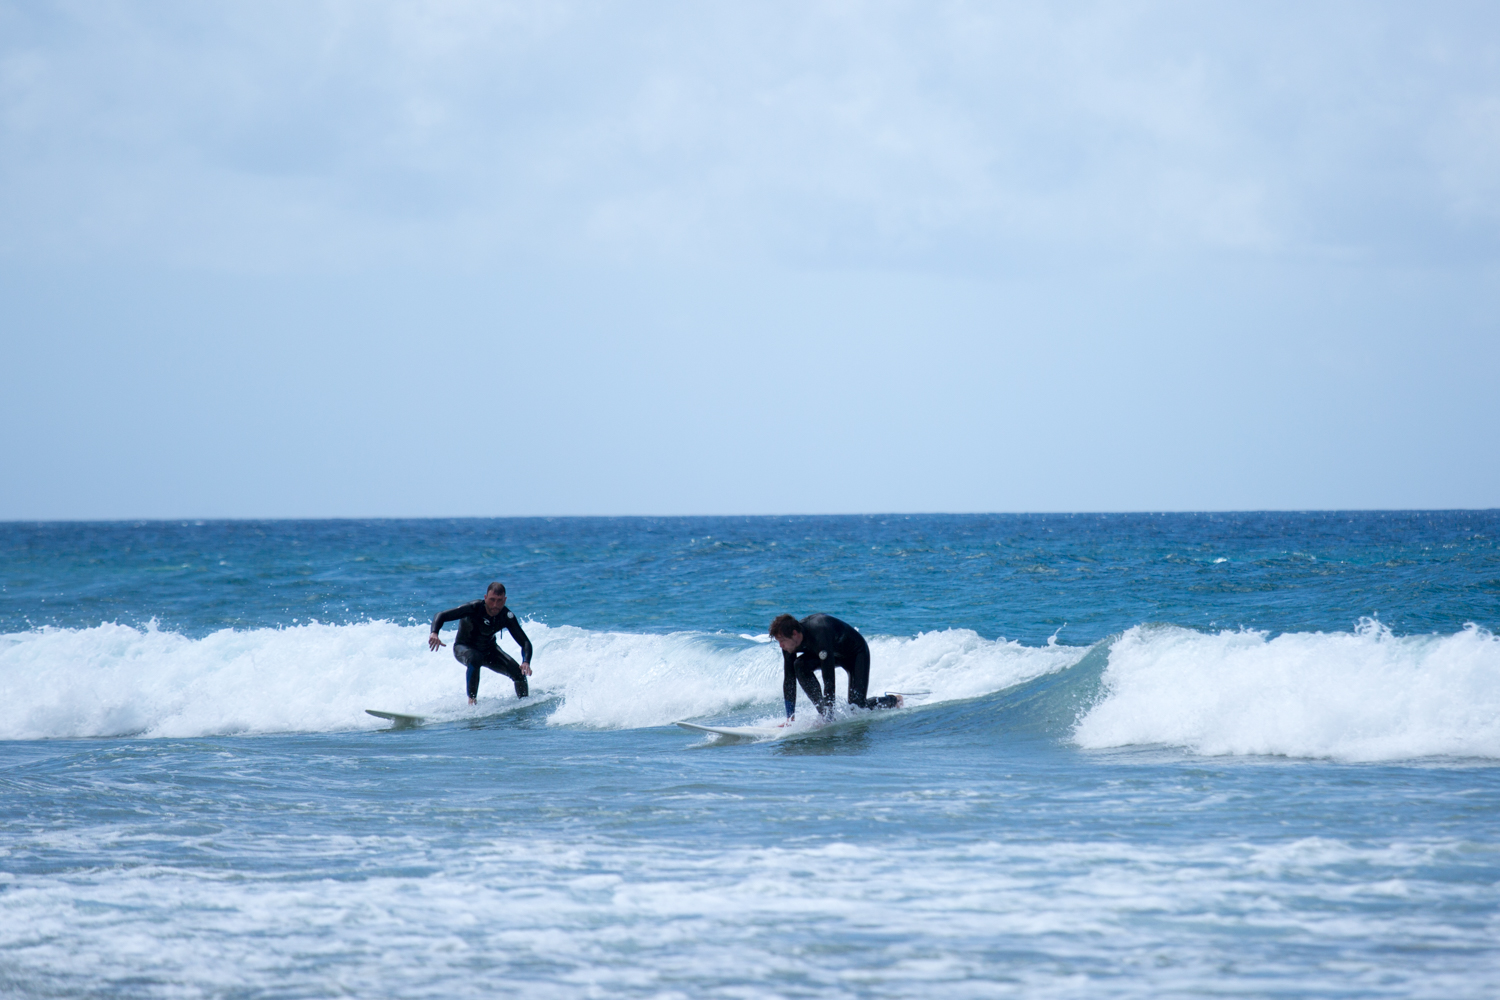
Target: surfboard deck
(791, 732)
(397, 720)
(740, 732)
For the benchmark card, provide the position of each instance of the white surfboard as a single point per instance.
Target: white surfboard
(784, 732)
(397, 720)
(741, 732)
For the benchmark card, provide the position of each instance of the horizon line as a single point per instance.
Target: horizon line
(867, 514)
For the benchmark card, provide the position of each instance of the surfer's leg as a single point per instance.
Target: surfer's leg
(859, 683)
(859, 675)
(469, 657)
(503, 663)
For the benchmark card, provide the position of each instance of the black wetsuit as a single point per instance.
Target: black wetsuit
(475, 646)
(828, 643)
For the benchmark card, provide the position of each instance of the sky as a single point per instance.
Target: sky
(384, 259)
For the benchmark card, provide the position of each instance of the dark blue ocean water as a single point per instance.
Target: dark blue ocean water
(1161, 755)
(1021, 576)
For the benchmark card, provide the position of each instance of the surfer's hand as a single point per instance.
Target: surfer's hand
(433, 642)
(526, 669)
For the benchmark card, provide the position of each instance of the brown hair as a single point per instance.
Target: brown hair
(495, 588)
(784, 626)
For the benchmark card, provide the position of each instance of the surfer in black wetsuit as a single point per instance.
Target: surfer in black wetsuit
(822, 642)
(479, 622)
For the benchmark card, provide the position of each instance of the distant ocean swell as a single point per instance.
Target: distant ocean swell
(1363, 695)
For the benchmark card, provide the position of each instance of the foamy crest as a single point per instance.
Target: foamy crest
(959, 663)
(621, 680)
(1366, 695)
(116, 680)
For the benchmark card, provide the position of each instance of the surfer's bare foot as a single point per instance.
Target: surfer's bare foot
(900, 701)
(473, 701)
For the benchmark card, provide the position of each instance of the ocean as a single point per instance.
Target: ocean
(1171, 755)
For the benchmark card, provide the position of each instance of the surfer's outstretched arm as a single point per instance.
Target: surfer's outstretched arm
(443, 618)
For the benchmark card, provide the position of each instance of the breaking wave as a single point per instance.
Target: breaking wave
(1365, 695)
(115, 680)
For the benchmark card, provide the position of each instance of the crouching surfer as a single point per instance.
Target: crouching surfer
(822, 642)
(479, 622)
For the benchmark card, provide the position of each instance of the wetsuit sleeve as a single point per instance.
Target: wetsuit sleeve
(789, 682)
(444, 617)
(513, 626)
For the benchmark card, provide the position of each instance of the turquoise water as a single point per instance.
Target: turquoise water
(1170, 755)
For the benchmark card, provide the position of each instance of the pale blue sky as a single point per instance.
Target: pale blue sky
(350, 259)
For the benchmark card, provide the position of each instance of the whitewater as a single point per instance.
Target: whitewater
(1361, 695)
(1152, 755)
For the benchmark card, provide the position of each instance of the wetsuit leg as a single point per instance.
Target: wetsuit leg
(497, 660)
(859, 680)
(859, 674)
(504, 664)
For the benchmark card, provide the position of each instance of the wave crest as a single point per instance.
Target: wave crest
(115, 680)
(1365, 695)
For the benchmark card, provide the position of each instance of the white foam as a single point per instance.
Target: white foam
(593, 917)
(959, 663)
(621, 680)
(116, 680)
(1361, 696)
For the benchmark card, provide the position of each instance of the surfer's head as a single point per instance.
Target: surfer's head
(787, 631)
(494, 599)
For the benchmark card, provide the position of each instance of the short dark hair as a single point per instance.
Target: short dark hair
(783, 626)
(494, 588)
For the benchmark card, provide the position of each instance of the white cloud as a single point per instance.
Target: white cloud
(248, 136)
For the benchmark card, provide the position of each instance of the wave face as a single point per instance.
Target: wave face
(1366, 695)
(1362, 696)
(115, 680)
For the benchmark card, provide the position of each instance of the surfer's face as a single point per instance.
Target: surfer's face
(789, 643)
(494, 603)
